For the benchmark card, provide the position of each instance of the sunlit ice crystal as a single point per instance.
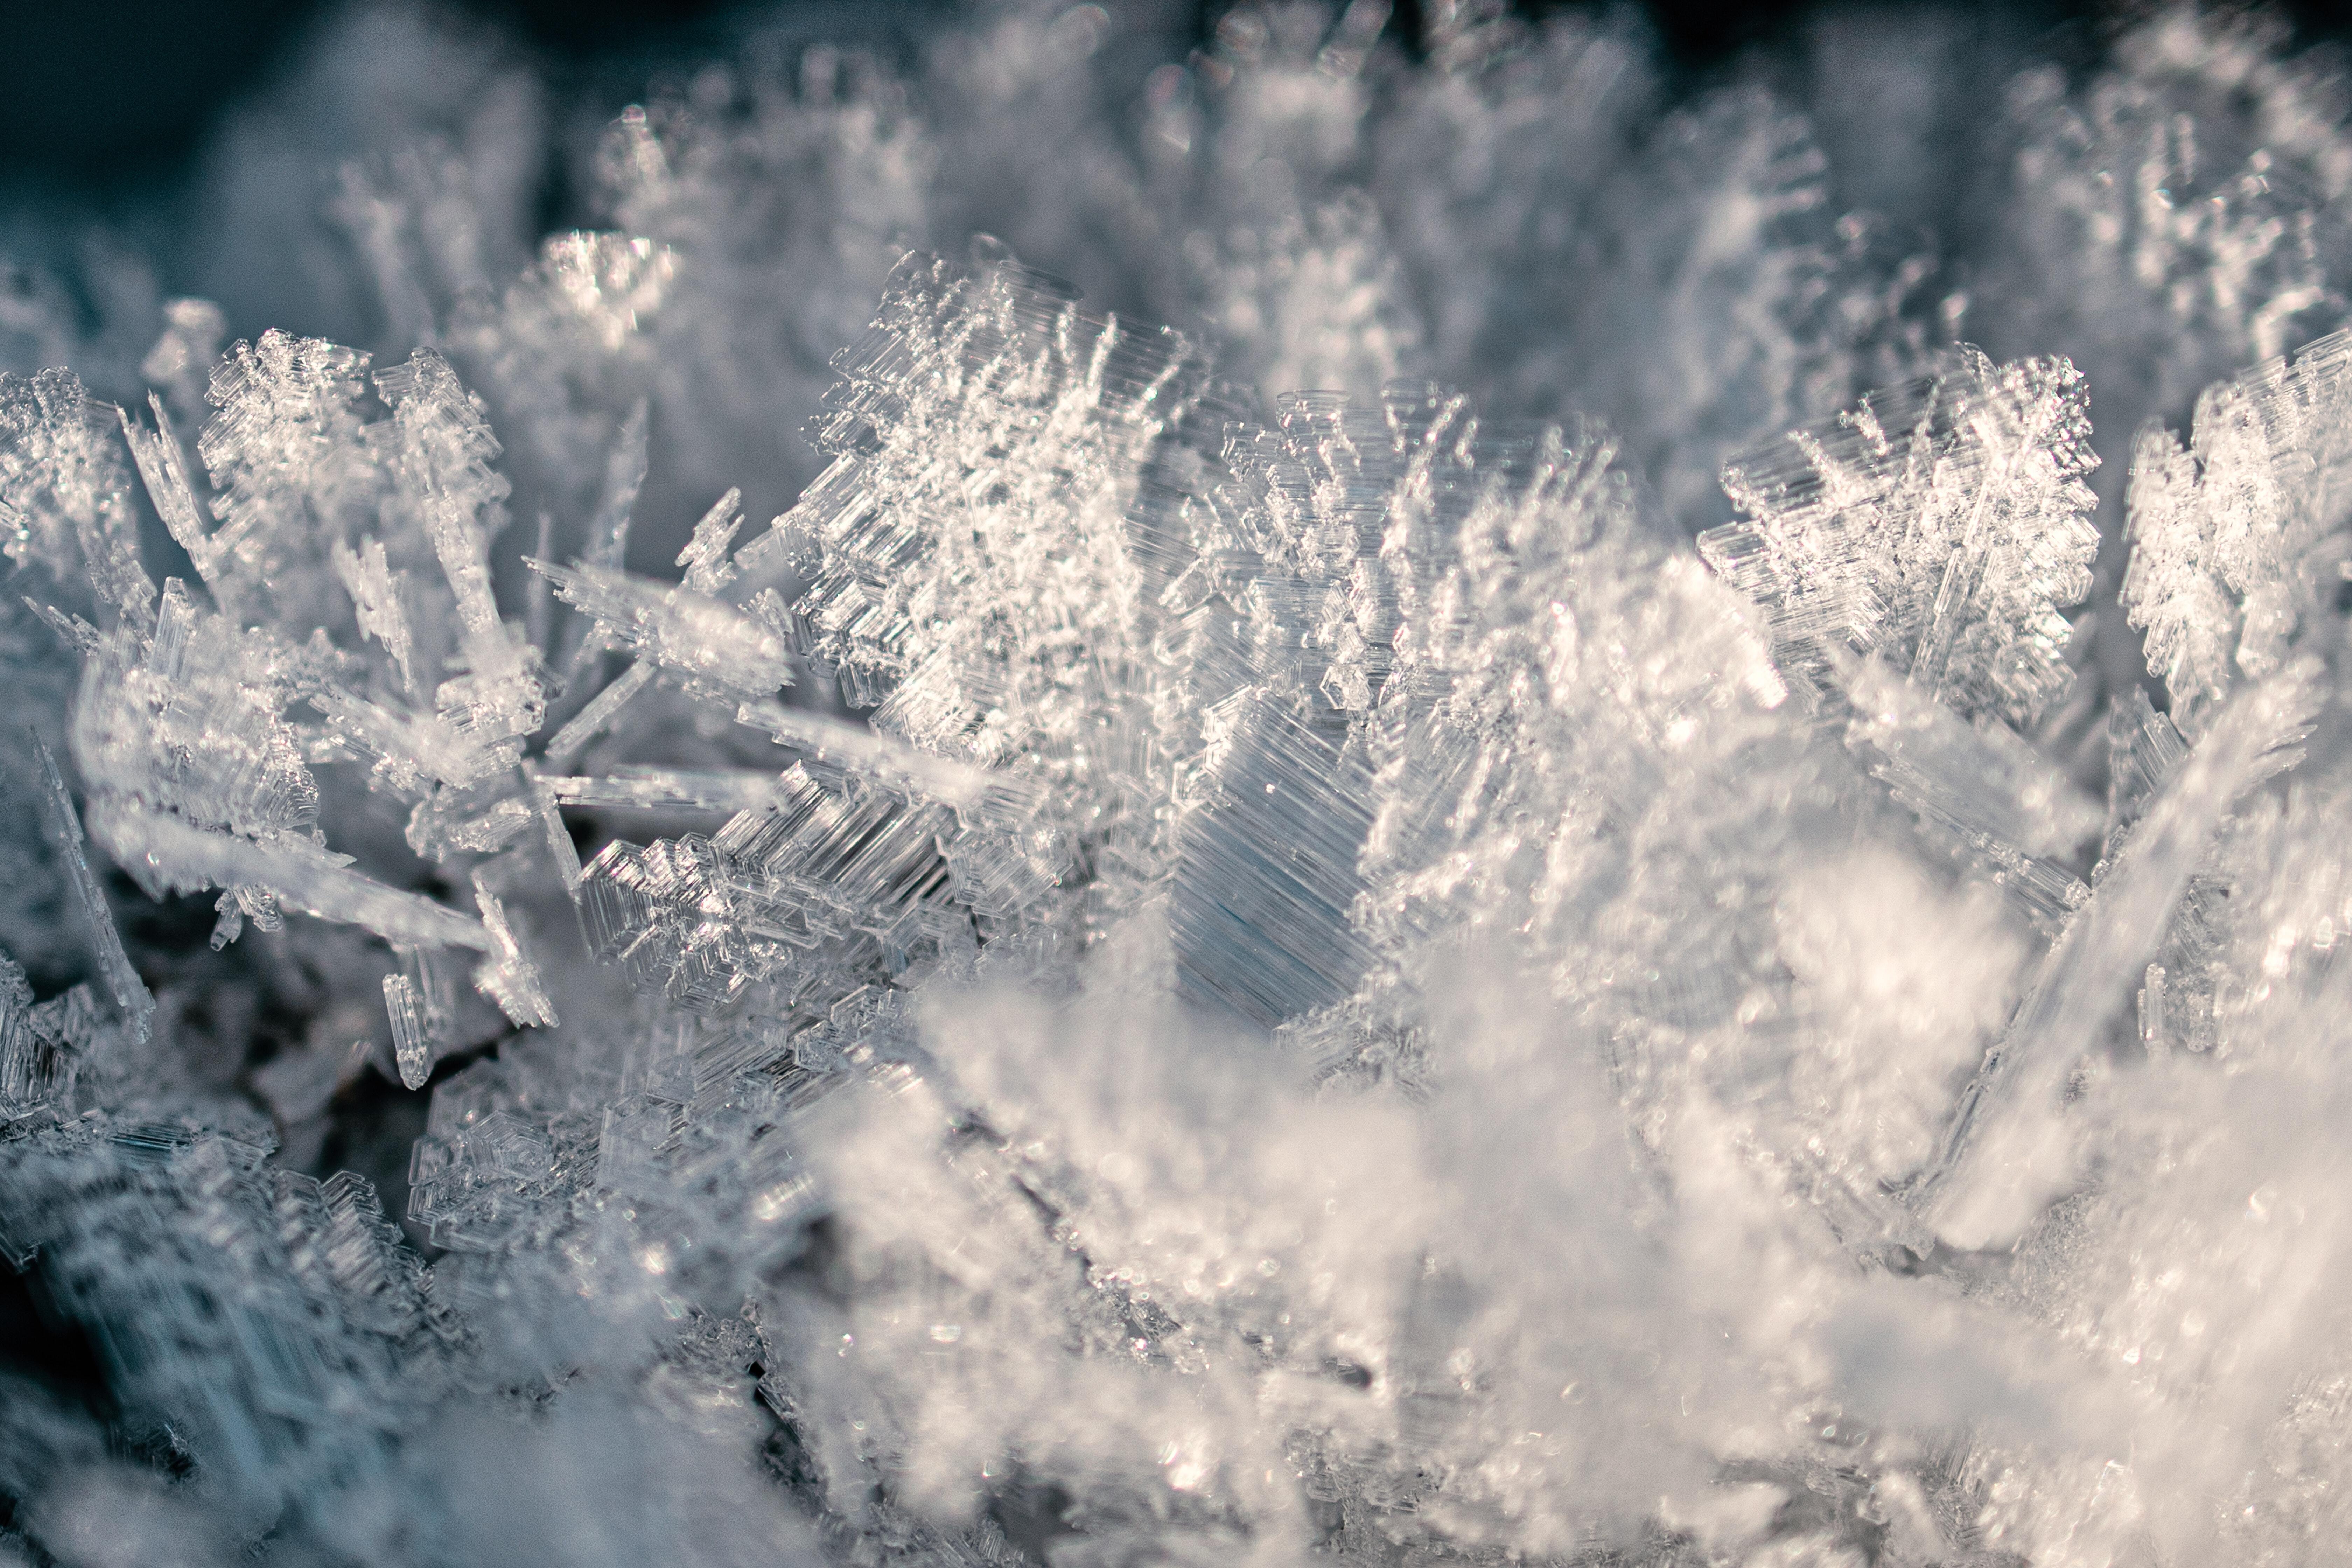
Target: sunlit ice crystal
(702, 641)
(1260, 939)
(1945, 522)
(64, 497)
(1042, 412)
(2236, 540)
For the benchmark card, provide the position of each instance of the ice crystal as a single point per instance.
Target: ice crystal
(1501, 897)
(1945, 522)
(2237, 540)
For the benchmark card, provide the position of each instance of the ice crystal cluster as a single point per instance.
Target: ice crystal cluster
(1633, 856)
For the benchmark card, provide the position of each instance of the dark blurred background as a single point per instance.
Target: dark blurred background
(116, 98)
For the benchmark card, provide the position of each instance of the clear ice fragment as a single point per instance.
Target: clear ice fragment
(410, 1048)
(708, 570)
(129, 992)
(38, 1064)
(708, 646)
(375, 592)
(667, 789)
(853, 749)
(163, 469)
(508, 976)
(163, 852)
(568, 742)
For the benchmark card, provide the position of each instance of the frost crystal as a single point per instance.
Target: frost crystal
(2238, 540)
(1436, 916)
(1943, 524)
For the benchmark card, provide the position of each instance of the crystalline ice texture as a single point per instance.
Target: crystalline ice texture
(291, 472)
(197, 781)
(375, 592)
(64, 494)
(1266, 893)
(1942, 524)
(36, 1063)
(925, 1178)
(2232, 538)
(566, 743)
(445, 483)
(410, 1048)
(2003, 1159)
(705, 557)
(968, 547)
(803, 897)
(705, 644)
(1286, 611)
(190, 719)
(131, 994)
(251, 1311)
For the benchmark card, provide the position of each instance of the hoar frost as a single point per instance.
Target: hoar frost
(1511, 895)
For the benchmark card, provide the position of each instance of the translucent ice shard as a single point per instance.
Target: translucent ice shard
(375, 593)
(412, 1051)
(609, 282)
(163, 467)
(566, 745)
(1262, 906)
(37, 1062)
(708, 569)
(624, 475)
(706, 644)
(508, 976)
(1942, 524)
(841, 750)
(131, 994)
(2006, 1152)
(163, 852)
(563, 354)
(666, 789)
(420, 1001)
(2145, 748)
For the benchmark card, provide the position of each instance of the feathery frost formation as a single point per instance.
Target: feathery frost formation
(1515, 895)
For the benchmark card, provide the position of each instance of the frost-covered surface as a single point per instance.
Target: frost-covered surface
(1551, 882)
